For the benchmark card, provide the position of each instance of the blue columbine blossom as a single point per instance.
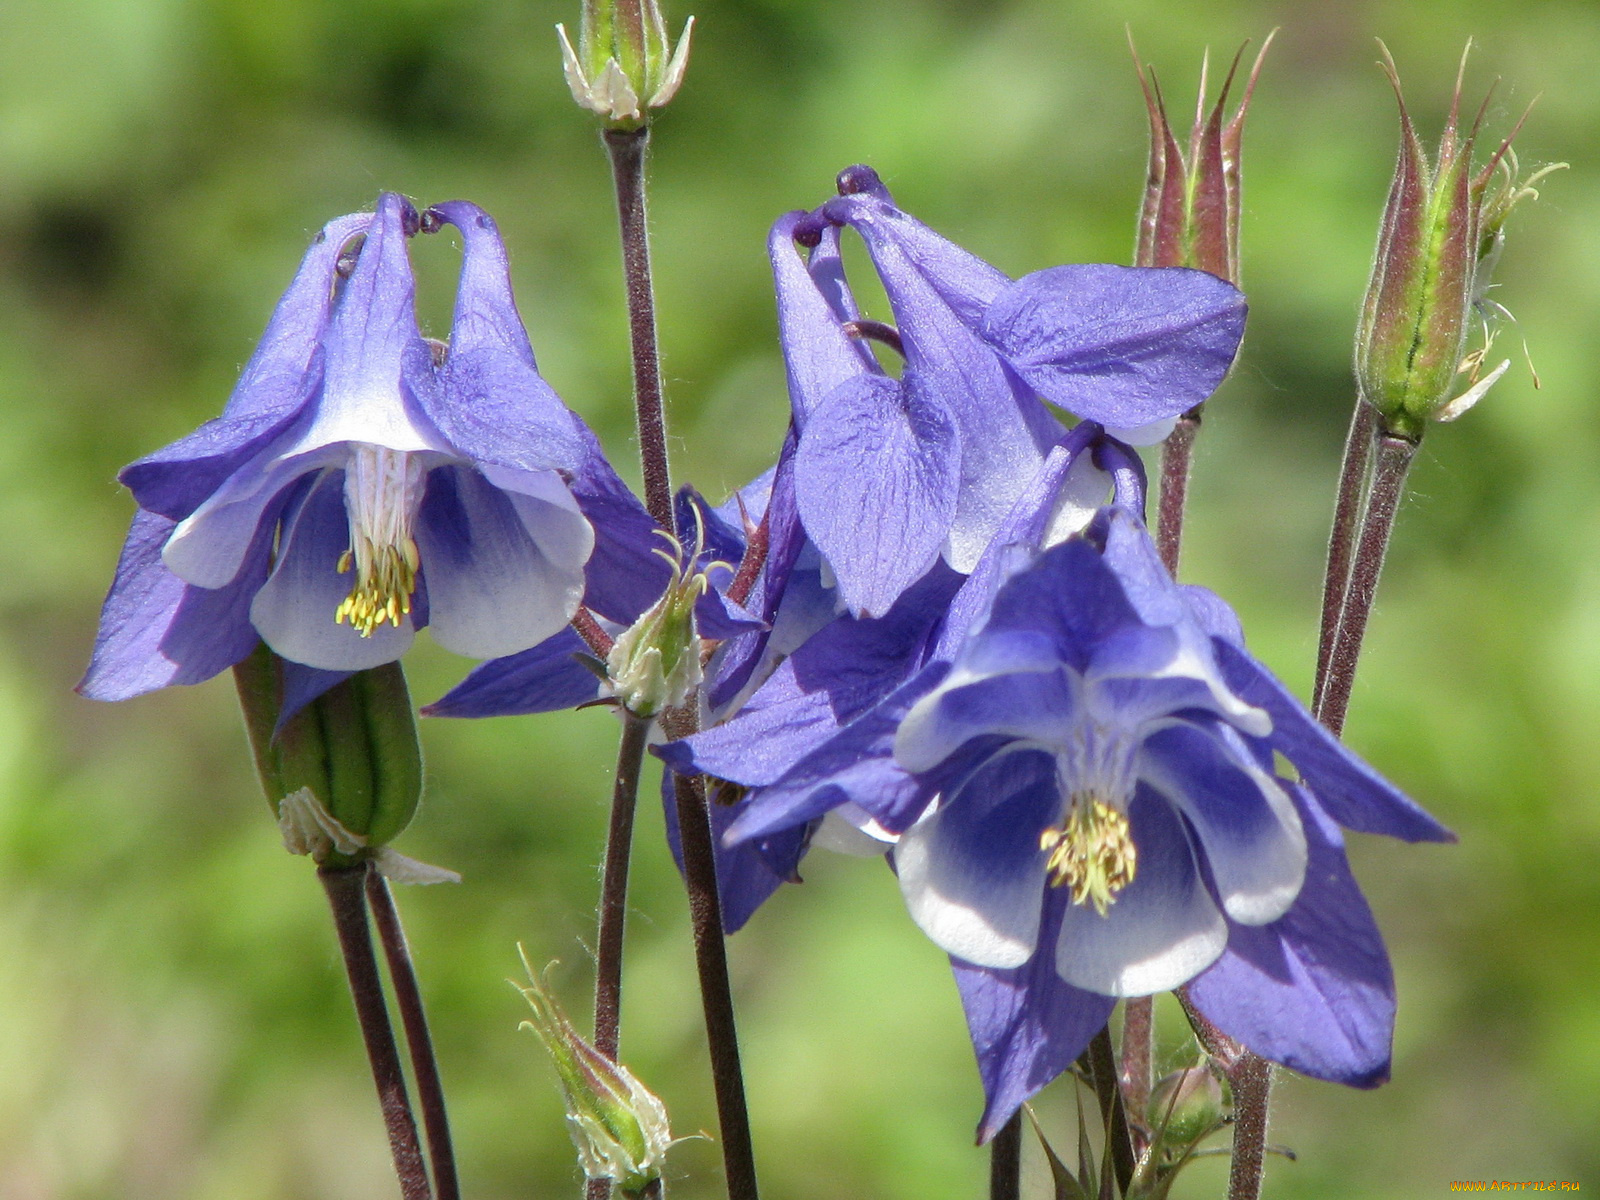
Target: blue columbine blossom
(1080, 784)
(891, 474)
(355, 489)
(790, 727)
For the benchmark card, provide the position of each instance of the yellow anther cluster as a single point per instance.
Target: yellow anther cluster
(386, 575)
(1093, 853)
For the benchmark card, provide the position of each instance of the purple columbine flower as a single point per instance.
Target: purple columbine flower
(891, 474)
(354, 489)
(1086, 806)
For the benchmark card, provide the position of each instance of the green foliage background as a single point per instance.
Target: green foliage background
(172, 1016)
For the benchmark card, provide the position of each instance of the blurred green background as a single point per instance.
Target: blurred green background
(173, 1021)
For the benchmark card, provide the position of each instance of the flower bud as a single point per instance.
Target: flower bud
(1441, 234)
(624, 63)
(1190, 215)
(655, 663)
(618, 1125)
(1185, 1106)
(353, 750)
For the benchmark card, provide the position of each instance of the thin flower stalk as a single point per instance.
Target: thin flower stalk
(1005, 1161)
(347, 898)
(716, 991)
(1391, 464)
(614, 885)
(419, 1041)
(1251, 1081)
(627, 149)
(1342, 538)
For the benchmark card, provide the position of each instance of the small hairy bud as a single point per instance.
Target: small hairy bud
(619, 1126)
(624, 64)
(1443, 227)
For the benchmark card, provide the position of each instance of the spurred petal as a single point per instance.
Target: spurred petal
(813, 302)
(1120, 345)
(272, 388)
(1162, 930)
(972, 873)
(376, 371)
(492, 404)
(1246, 823)
(504, 569)
(294, 610)
(875, 478)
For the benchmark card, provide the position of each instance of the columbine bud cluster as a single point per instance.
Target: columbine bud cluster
(624, 64)
(1442, 231)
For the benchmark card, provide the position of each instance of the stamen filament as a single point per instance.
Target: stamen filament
(382, 490)
(1092, 853)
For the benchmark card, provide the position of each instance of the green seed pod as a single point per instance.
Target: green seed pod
(354, 748)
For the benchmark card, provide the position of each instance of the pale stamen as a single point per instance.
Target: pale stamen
(1092, 853)
(382, 489)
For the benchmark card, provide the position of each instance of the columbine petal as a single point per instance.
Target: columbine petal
(1353, 793)
(176, 479)
(1162, 930)
(1120, 345)
(156, 631)
(492, 587)
(294, 610)
(492, 404)
(546, 678)
(1025, 707)
(1246, 823)
(1313, 990)
(971, 872)
(875, 480)
(208, 546)
(1028, 1025)
(813, 301)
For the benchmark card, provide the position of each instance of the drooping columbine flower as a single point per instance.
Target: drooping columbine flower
(1086, 808)
(353, 490)
(891, 474)
(823, 672)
